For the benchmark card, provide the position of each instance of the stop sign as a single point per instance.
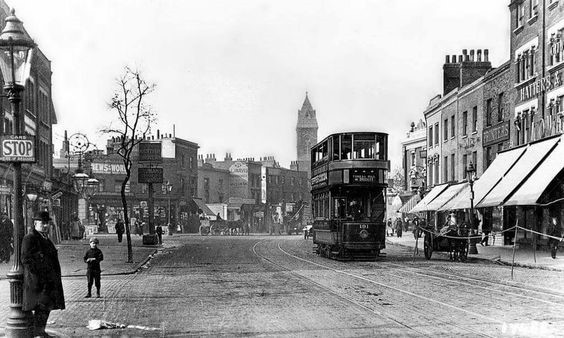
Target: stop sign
(17, 148)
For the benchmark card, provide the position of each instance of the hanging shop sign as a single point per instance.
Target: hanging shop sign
(150, 175)
(546, 83)
(150, 152)
(495, 134)
(17, 148)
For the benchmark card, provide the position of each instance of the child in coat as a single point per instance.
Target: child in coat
(93, 257)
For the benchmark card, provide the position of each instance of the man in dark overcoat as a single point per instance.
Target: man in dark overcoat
(120, 229)
(6, 237)
(42, 285)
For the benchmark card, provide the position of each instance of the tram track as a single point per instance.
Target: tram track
(417, 312)
(470, 281)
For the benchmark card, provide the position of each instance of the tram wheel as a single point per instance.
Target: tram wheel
(427, 250)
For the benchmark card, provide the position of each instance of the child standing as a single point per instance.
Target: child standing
(93, 257)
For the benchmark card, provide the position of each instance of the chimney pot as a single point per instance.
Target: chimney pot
(479, 53)
(453, 58)
(486, 52)
(460, 59)
(464, 51)
(447, 59)
(472, 55)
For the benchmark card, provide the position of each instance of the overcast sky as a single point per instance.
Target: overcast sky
(231, 75)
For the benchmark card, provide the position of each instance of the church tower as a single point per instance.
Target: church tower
(306, 131)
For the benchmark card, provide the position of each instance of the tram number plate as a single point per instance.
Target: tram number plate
(364, 226)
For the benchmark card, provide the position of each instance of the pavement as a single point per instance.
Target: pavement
(71, 253)
(503, 254)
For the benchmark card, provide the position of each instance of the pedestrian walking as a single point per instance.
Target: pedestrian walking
(159, 231)
(399, 227)
(389, 228)
(6, 237)
(92, 258)
(42, 285)
(555, 231)
(416, 230)
(120, 228)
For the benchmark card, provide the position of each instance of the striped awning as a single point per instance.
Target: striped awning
(431, 195)
(410, 204)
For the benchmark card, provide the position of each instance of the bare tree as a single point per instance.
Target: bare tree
(134, 117)
(398, 181)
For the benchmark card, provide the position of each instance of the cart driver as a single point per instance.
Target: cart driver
(450, 224)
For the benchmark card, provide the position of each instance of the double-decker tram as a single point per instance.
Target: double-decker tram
(348, 181)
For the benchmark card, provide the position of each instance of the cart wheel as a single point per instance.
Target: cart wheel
(427, 249)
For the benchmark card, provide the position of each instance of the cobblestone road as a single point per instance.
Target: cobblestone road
(276, 286)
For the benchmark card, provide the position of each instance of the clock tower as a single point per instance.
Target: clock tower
(306, 131)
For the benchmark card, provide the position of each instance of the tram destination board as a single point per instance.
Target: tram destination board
(150, 175)
(17, 148)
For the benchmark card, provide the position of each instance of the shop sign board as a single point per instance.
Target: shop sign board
(150, 175)
(150, 152)
(17, 148)
(496, 134)
(5, 190)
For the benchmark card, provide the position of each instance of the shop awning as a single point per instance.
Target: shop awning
(445, 196)
(422, 205)
(499, 167)
(530, 192)
(234, 205)
(202, 206)
(526, 164)
(410, 204)
(459, 200)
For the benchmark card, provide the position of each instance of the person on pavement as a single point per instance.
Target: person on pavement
(555, 231)
(159, 231)
(399, 227)
(6, 237)
(93, 257)
(120, 229)
(42, 285)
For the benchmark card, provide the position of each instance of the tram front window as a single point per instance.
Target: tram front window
(367, 206)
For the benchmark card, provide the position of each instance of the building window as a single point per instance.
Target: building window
(465, 123)
(445, 130)
(488, 112)
(436, 133)
(413, 159)
(437, 172)
(488, 157)
(533, 4)
(430, 136)
(430, 174)
(292, 180)
(190, 162)
(525, 64)
(464, 166)
(475, 160)
(452, 127)
(499, 107)
(475, 119)
(452, 167)
(520, 14)
(445, 173)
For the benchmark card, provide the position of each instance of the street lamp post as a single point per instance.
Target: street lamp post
(471, 171)
(16, 50)
(168, 190)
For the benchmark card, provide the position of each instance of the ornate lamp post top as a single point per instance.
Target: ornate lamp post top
(16, 52)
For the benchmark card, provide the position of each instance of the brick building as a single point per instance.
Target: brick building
(414, 150)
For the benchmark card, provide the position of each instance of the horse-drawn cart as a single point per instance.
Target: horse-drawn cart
(453, 241)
